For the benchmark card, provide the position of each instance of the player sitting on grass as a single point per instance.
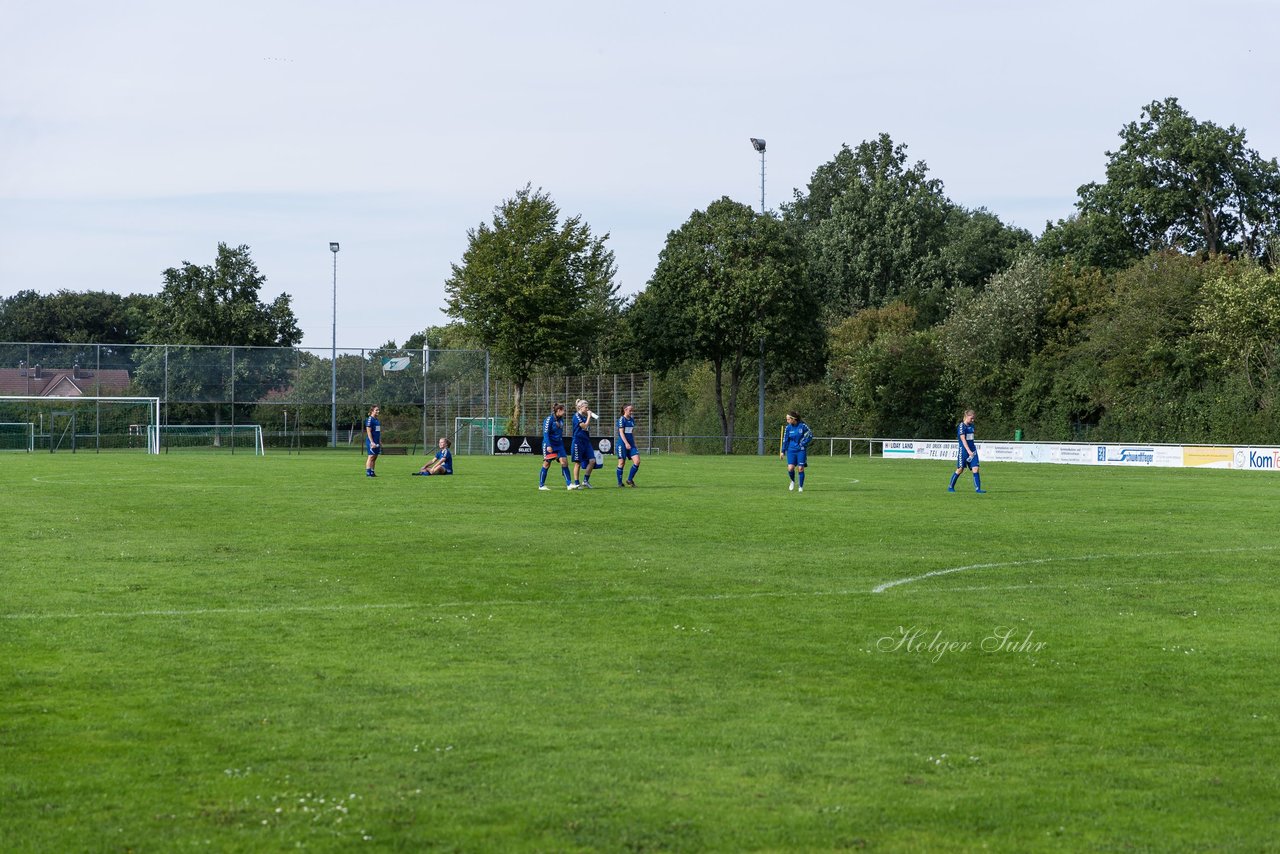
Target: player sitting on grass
(442, 463)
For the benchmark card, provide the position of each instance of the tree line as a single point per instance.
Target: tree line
(878, 305)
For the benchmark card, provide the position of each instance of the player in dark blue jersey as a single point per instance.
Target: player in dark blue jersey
(796, 437)
(553, 447)
(966, 453)
(626, 445)
(582, 454)
(372, 441)
(442, 463)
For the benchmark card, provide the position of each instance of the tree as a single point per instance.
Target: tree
(979, 246)
(990, 336)
(1148, 368)
(727, 289)
(873, 229)
(217, 305)
(67, 317)
(533, 290)
(1178, 183)
(1238, 322)
(888, 374)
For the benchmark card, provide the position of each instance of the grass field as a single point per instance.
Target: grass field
(252, 654)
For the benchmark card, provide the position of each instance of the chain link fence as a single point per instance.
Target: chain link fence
(307, 398)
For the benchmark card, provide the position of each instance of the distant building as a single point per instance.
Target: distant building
(75, 381)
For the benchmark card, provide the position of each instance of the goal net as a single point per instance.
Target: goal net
(82, 424)
(229, 438)
(17, 436)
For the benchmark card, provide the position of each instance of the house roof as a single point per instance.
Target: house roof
(63, 382)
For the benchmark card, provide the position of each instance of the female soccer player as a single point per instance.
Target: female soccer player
(442, 463)
(584, 456)
(966, 454)
(795, 444)
(553, 447)
(626, 445)
(372, 440)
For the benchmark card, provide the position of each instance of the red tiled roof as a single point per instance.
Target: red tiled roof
(63, 382)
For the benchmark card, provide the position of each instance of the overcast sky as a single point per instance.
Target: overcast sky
(137, 135)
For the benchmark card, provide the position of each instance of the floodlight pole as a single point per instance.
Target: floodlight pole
(333, 357)
(758, 145)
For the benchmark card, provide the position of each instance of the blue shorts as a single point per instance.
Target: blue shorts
(970, 463)
(583, 453)
(370, 450)
(797, 458)
(623, 453)
(553, 452)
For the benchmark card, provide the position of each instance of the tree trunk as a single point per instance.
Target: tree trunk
(517, 405)
(724, 418)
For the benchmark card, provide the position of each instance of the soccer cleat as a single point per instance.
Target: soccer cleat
(620, 485)
(792, 487)
(586, 484)
(369, 473)
(981, 491)
(572, 486)
(801, 489)
(544, 488)
(951, 489)
(631, 483)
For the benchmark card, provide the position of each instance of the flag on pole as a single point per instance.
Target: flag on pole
(399, 363)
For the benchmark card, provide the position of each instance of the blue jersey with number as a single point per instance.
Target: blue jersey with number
(374, 426)
(796, 437)
(627, 428)
(964, 459)
(553, 431)
(446, 455)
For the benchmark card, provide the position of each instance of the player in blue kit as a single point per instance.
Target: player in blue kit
(796, 437)
(626, 445)
(442, 463)
(372, 441)
(582, 454)
(966, 454)
(553, 447)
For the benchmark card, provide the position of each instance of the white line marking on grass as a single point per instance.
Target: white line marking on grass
(1078, 558)
(480, 603)
(199, 612)
(690, 597)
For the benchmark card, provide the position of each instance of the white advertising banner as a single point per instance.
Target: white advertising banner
(1079, 454)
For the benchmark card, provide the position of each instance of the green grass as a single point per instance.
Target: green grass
(250, 654)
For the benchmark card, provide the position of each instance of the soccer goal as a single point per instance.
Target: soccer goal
(17, 436)
(83, 424)
(475, 435)
(230, 438)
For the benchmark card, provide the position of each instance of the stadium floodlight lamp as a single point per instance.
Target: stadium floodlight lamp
(757, 144)
(333, 356)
